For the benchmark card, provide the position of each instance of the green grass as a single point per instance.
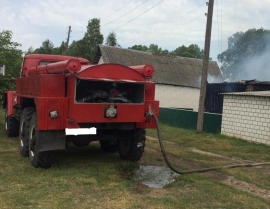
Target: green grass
(89, 178)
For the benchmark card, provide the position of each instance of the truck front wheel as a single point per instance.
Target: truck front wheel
(131, 144)
(24, 130)
(11, 126)
(37, 158)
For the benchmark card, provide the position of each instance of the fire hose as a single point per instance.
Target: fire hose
(196, 170)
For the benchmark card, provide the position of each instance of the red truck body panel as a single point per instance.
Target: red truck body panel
(47, 85)
(11, 101)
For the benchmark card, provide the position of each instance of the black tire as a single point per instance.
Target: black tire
(38, 159)
(131, 145)
(108, 146)
(11, 126)
(24, 130)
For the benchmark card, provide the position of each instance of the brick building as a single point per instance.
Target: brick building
(246, 115)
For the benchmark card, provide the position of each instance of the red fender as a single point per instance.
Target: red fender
(11, 100)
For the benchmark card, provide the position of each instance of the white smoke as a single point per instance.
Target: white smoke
(210, 79)
(257, 67)
(214, 79)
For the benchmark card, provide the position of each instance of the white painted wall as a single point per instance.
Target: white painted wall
(246, 117)
(177, 96)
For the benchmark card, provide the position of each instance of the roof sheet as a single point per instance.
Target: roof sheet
(251, 93)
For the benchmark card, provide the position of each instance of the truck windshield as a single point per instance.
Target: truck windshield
(44, 63)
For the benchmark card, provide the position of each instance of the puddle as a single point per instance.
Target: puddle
(155, 176)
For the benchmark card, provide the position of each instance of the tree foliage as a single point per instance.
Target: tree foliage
(92, 38)
(111, 40)
(87, 46)
(10, 55)
(142, 48)
(192, 50)
(77, 48)
(6, 83)
(241, 48)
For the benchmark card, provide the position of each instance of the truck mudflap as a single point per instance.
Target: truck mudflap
(51, 140)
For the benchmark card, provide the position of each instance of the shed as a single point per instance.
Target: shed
(214, 96)
(178, 78)
(246, 115)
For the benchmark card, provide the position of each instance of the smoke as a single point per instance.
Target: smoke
(256, 67)
(214, 79)
(210, 79)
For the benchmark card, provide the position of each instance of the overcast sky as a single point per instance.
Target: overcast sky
(168, 23)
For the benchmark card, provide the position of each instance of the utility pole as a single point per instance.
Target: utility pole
(205, 66)
(69, 30)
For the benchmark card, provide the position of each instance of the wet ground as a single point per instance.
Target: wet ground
(155, 176)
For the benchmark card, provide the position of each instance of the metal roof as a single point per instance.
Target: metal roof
(169, 70)
(251, 93)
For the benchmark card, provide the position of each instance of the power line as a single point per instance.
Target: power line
(124, 14)
(167, 24)
(138, 15)
(180, 26)
(116, 10)
(61, 37)
(218, 30)
(221, 25)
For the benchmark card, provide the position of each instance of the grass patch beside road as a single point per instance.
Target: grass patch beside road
(89, 178)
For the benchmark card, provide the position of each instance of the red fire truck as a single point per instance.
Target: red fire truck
(61, 99)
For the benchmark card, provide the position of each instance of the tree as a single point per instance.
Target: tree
(59, 50)
(10, 55)
(153, 48)
(233, 39)
(92, 38)
(242, 48)
(139, 48)
(192, 51)
(30, 51)
(111, 40)
(46, 48)
(77, 49)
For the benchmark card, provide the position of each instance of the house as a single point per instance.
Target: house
(178, 78)
(246, 115)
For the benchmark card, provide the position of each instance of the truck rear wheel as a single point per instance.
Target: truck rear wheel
(131, 144)
(38, 159)
(11, 126)
(24, 130)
